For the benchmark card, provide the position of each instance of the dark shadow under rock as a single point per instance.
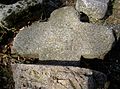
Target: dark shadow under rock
(112, 60)
(110, 65)
(84, 17)
(58, 63)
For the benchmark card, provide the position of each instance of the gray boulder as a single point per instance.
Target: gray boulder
(93, 8)
(63, 37)
(56, 77)
(11, 14)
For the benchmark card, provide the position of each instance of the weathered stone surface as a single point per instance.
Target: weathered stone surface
(66, 16)
(63, 37)
(56, 77)
(11, 14)
(93, 8)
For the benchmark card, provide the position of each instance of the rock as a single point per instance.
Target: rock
(56, 77)
(63, 37)
(116, 29)
(93, 8)
(64, 16)
(7, 2)
(12, 14)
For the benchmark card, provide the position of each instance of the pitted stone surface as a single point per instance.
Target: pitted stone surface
(9, 13)
(56, 77)
(93, 8)
(62, 38)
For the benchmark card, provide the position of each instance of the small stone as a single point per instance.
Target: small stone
(93, 8)
(9, 14)
(116, 29)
